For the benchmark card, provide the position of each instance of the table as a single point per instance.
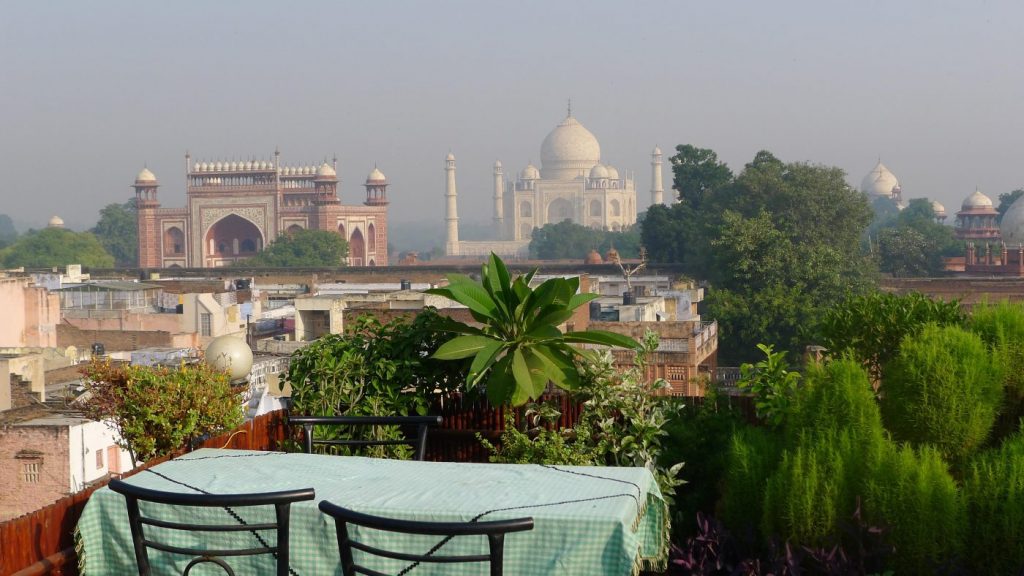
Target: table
(588, 520)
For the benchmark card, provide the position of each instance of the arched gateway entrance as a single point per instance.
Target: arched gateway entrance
(230, 239)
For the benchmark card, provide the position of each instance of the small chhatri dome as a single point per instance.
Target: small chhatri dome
(497, 163)
(879, 182)
(145, 176)
(376, 176)
(612, 172)
(530, 173)
(56, 222)
(594, 257)
(598, 171)
(450, 156)
(657, 150)
(977, 200)
(939, 209)
(326, 171)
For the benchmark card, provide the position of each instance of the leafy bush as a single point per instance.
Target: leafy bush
(943, 389)
(1001, 326)
(372, 369)
(156, 410)
(994, 494)
(872, 327)
(540, 445)
(771, 383)
(753, 455)
(914, 496)
(836, 394)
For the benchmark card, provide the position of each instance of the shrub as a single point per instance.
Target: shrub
(912, 494)
(994, 493)
(943, 389)
(771, 384)
(157, 410)
(539, 445)
(1001, 326)
(836, 394)
(753, 457)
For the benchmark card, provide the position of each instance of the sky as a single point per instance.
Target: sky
(90, 92)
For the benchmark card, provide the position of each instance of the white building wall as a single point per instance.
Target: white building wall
(86, 439)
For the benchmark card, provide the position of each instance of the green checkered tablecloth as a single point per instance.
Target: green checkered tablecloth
(588, 520)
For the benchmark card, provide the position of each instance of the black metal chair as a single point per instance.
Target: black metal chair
(494, 530)
(280, 500)
(419, 445)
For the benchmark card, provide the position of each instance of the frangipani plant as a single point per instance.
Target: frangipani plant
(519, 348)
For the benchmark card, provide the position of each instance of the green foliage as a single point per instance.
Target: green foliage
(158, 410)
(373, 369)
(118, 232)
(913, 496)
(913, 243)
(994, 494)
(1001, 326)
(568, 240)
(541, 445)
(871, 327)
(52, 247)
(302, 249)
(771, 383)
(836, 394)
(753, 456)
(942, 389)
(697, 173)
(8, 234)
(519, 348)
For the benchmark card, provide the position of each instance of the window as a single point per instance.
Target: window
(30, 472)
(205, 319)
(99, 459)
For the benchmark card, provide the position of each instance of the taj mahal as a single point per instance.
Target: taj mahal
(572, 184)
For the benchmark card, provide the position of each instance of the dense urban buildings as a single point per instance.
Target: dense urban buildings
(234, 209)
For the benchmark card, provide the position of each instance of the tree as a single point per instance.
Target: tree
(118, 232)
(52, 247)
(1006, 200)
(8, 234)
(519, 348)
(302, 249)
(913, 244)
(697, 173)
(568, 240)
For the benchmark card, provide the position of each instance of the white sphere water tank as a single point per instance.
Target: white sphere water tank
(230, 354)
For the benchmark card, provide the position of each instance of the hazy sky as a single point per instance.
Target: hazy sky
(92, 91)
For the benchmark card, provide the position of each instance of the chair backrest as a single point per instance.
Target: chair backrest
(494, 531)
(281, 501)
(419, 444)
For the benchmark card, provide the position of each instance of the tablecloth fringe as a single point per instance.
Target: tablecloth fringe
(659, 562)
(79, 551)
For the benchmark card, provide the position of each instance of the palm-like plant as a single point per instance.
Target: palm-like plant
(519, 347)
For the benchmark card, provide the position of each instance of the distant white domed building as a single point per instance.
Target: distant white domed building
(976, 219)
(572, 183)
(939, 210)
(880, 182)
(55, 222)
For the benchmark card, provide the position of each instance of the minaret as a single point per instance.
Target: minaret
(657, 188)
(451, 247)
(499, 199)
(146, 205)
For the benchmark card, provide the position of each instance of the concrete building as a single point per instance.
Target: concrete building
(30, 314)
(234, 209)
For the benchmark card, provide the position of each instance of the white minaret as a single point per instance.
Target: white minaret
(499, 199)
(451, 247)
(657, 188)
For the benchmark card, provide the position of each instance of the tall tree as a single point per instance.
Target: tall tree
(51, 247)
(302, 249)
(696, 173)
(568, 240)
(117, 230)
(8, 234)
(913, 243)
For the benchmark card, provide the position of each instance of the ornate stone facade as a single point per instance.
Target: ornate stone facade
(234, 209)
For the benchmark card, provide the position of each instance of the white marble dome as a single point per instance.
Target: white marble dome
(530, 173)
(375, 176)
(939, 209)
(612, 172)
(1011, 229)
(56, 222)
(325, 171)
(977, 200)
(879, 182)
(145, 176)
(568, 150)
(598, 171)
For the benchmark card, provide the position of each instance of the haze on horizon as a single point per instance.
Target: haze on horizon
(92, 92)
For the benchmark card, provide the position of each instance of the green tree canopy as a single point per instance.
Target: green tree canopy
(8, 234)
(118, 232)
(568, 240)
(51, 247)
(913, 243)
(302, 249)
